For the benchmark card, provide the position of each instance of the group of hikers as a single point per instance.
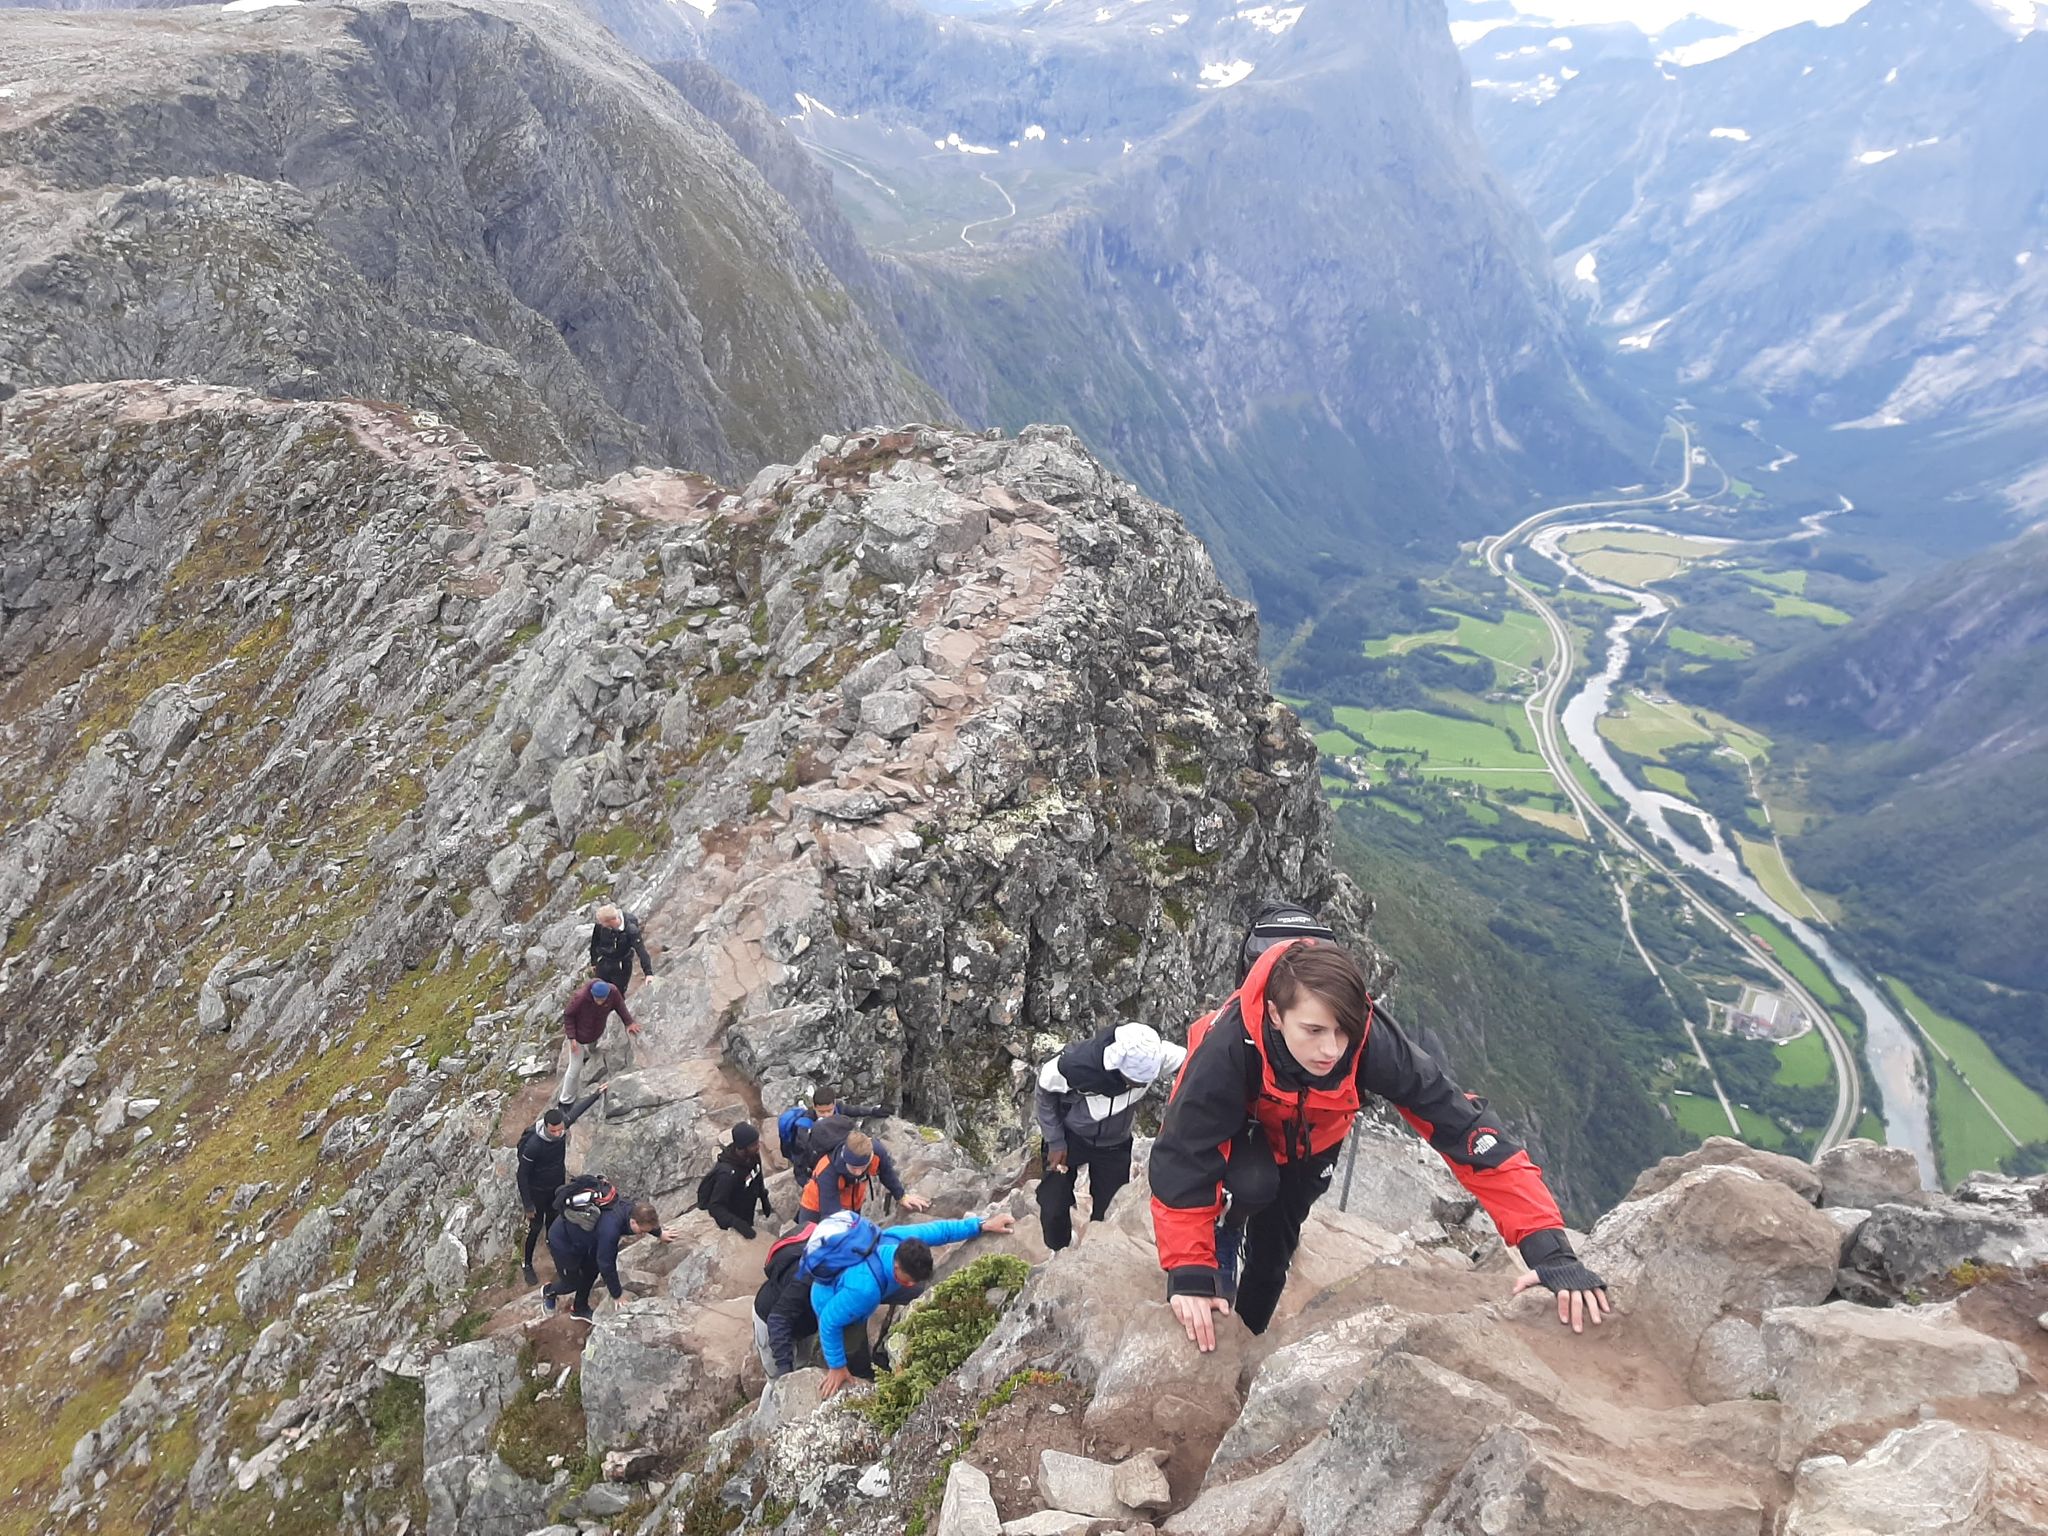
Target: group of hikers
(1260, 1101)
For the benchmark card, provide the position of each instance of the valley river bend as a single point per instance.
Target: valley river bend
(1890, 1046)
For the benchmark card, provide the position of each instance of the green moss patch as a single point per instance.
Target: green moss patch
(940, 1333)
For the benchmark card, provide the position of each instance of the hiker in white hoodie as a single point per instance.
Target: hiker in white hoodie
(1087, 1105)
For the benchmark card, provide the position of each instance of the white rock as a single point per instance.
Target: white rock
(969, 1508)
(1086, 1487)
(1050, 1522)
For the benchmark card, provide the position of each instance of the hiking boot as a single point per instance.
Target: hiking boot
(547, 1300)
(528, 1274)
(583, 1314)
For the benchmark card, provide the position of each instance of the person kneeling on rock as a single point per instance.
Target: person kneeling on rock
(831, 1278)
(1260, 1112)
(1087, 1101)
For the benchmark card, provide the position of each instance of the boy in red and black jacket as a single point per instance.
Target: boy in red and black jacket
(1261, 1109)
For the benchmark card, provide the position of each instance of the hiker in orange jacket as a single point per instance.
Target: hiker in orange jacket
(840, 1181)
(1261, 1109)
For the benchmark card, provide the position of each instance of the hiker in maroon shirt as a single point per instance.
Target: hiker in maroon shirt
(584, 1021)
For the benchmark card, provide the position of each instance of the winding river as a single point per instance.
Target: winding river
(1890, 1045)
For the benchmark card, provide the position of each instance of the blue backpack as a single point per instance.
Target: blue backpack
(840, 1242)
(791, 1127)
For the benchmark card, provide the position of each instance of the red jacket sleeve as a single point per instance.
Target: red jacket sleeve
(1190, 1157)
(1494, 1168)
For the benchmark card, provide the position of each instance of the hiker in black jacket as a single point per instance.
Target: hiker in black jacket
(1088, 1098)
(735, 1185)
(544, 1169)
(585, 1255)
(614, 941)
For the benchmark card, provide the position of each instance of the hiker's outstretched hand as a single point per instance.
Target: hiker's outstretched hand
(833, 1381)
(1197, 1316)
(1003, 1223)
(916, 1203)
(1580, 1293)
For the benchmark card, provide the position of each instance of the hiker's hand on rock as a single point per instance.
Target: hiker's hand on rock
(916, 1203)
(1003, 1223)
(833, 1381)
(1580, 1293)
(632, 1029)
(1197, 1316)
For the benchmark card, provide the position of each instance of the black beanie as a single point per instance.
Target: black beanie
(744, 1134)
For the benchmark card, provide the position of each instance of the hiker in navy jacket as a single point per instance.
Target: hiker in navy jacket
(789, 1307)
(585, 1256)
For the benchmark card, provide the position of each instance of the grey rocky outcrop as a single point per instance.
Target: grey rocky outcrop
(1805, 1180)
(1903, 1249)
(1931, 1478)
(182, 208)
(1860, 1174)
(1846, 1364)
(467, 1388)
(340, 866)
(1722, 1244)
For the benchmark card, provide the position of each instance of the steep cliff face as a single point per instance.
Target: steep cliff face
(1253, 253)
(322, 731)
(502, 218)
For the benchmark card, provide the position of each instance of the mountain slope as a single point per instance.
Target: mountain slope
(1845, 224)
(504, 218)
(1252, 252)
(1926, 728)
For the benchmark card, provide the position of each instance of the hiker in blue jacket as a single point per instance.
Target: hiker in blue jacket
(838, 1309)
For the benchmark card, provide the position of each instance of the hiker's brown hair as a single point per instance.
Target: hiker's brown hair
(1332, 975)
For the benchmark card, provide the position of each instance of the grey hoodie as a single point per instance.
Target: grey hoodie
(1083, 1097)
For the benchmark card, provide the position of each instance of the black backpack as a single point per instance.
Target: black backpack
(825, 1137)
(1277, 921)
(705, 1188)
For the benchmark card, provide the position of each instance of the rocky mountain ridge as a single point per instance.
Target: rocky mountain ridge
(917, 756)
(497, 215)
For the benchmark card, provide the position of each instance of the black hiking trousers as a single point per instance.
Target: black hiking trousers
(537, 1220)
(793, 1309)
(1271, 1235)
(1109, 1170)
(572, 1275)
